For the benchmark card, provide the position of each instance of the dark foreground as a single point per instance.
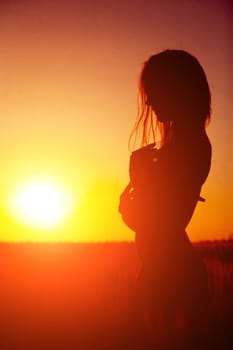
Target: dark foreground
(77, 296)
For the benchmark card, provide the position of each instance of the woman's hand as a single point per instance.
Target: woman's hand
(125, 198)
(127, 207)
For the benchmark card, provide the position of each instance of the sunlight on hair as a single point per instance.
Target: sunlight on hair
(41, 203)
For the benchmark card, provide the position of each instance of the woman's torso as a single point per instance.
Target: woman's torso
(167, 185)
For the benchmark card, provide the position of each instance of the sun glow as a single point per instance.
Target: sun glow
(41, 203)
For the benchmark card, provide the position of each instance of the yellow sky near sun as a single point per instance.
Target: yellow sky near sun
(68, 87)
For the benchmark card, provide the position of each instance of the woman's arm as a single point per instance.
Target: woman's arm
(134, 197)
(127, 207)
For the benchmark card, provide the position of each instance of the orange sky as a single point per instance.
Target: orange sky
(68, 87)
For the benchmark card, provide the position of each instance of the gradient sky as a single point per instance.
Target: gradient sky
(68, 87)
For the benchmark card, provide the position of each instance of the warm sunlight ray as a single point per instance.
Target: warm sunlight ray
(41, 203)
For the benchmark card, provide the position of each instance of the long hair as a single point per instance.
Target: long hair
(185, 87)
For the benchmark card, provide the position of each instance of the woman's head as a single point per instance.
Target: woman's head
(174, 93)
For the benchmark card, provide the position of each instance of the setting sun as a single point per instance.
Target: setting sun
(41, 203)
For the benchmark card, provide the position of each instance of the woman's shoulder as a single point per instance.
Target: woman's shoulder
(144, 155)
(143, 162)
(180, 156)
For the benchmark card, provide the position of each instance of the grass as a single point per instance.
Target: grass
(77, 296)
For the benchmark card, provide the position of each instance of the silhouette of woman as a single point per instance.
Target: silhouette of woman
(166, 177)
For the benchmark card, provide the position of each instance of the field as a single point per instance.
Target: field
(77, 296)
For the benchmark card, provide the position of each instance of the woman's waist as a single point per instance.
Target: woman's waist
(161, 237)
(161, 245)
